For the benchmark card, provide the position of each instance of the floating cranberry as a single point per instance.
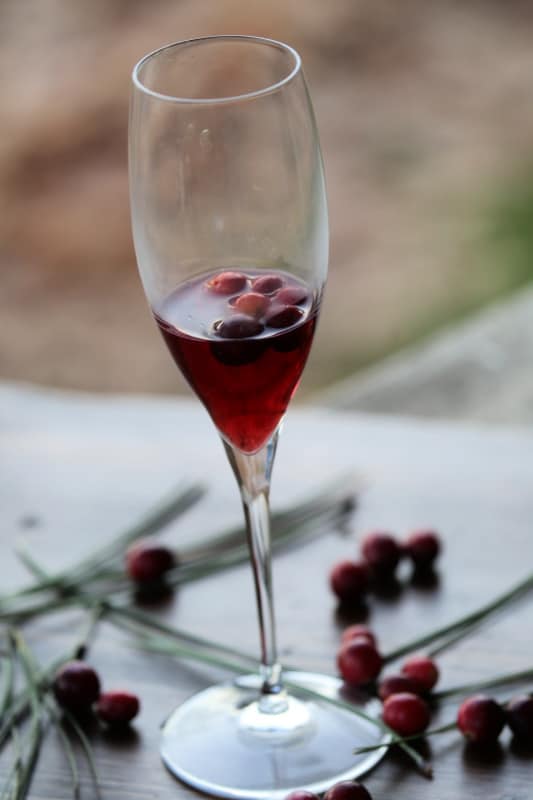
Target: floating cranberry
(406, 713)
(267, 284)
(423, 547)
(302, 794)
(397, 684)
(422, 670)
(252, 303)
(147, 563)
(359, 662)
(117, 707)
(348, 790)
(227, 283)
(382, 552)
(481, 719)
(76, 686)
(520, 717)
(358, 632)
(349, 580)
(292, 296)
(239, 326)
(283, 316)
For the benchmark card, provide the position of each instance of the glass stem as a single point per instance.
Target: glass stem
(253, 472)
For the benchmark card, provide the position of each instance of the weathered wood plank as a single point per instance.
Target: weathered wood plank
(79, 467)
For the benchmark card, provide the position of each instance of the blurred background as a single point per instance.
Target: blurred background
(425, 110)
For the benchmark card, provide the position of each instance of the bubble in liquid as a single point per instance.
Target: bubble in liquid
(205, 139)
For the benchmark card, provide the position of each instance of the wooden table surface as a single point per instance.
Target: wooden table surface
(77, 468)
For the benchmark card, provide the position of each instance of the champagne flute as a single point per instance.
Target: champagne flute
(230, 228)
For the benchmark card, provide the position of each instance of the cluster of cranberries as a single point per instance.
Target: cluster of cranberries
(481, 719)
(405, 695)
(345, 790)
(404, 708)
(380, 555)
(77, 689)
(256, 303)
(147, 563)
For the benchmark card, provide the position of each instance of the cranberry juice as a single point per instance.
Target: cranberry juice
(241, 339)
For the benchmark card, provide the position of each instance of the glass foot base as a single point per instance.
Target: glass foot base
(220, 741)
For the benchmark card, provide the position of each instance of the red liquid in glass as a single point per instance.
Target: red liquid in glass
(245, 380)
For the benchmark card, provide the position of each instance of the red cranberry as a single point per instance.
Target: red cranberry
(406, 713)
(422, 670)
(382, 552)
(481, 719)
(359, 662)
(117, 707)
(227, 282)
(147, 563)
(302, 794)
(252, 303)
(292, 296)
(397, 684)
(423, 547)
(239, 326)
(358, 632)
(267, 284)
(283, 316)
(348, 790)
(76, 686)
(520, 717)
(349, 580)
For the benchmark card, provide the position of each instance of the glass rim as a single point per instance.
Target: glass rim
(266, 90)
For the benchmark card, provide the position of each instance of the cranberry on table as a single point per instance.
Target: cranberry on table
(281, 316)
(227, 282)
(481, 719)
(117, 707)
(359, 662)
(382, 552)
(396, 684)
(238, 326)
(406, 713)
(76, 686)
(520, 717)
(147, 563)
(348, 790)
(422, 670)
(292, 296)
(252, 303)
(267, 284)
(349, 580)
(423, 547)
(302, 794)
(356, 632)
